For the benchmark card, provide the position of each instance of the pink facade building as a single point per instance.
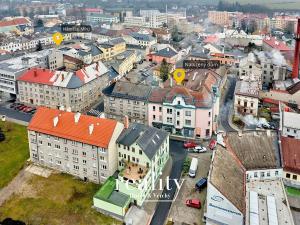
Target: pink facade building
(189, 110)
(170, 55)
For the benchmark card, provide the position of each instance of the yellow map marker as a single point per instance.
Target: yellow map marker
(179, 75)
(57, 38)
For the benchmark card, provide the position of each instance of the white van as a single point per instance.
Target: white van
(193, 167)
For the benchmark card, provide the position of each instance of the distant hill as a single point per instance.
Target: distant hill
(273, 4)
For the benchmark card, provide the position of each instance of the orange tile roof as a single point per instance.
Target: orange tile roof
(14, 22)
(66, 127)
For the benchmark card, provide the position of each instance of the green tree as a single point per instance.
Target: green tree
(39, 46)
(175, 34)
(164, 70)
(39, 23)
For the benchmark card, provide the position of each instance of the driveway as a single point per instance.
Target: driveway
(227, 104)
(178, 155)
(179, 212)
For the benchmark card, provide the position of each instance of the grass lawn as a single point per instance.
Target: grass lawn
(57, 200)
(13, 151)
(293, 191)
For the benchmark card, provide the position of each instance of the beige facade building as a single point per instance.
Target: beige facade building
(112, 48)
(127, 99)
(246, 97)
(80, 145)
(75, 91)
(219, 17)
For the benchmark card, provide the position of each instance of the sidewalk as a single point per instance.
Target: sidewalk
(14, 186)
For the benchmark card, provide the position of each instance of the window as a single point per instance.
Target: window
(153, 117)
(188, 122)
(49, 144)
(57, 146)
(120, 155)
(95, 173)
(276, 173)
(288, 175)
(178, 102)
(262, 174)
(169, 111)
(84, 154)
(84, 170)
(209, 114)
(294, 177)
(76, 167)
(178, 122)
(268, 173)
(84, 162)
(188, 113)
(178, 113)
(75, 151)
(169, 120)
(140, 152)
(153, 108)
(255, 174)
(133, 149)
(160, 109)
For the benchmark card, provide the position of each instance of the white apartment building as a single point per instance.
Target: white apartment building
(76, 91)
(137, 21)
(289, 124)
(246, 97)
(80, 145)
(11, 69)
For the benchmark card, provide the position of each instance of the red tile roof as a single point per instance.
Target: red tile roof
(276, 44)
(66, 127)
(37, 75)
(211, 39)
(14, 22)
(199, 99)
(291, 154)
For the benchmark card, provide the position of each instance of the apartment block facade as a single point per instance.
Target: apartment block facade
(76, 144)
(76, 91)
(127, 99)
(143, 152)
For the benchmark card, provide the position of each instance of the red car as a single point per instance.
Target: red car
(189, 144)
(212, 144)
(195, 203)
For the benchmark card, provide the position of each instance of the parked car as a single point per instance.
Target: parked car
(202, 183)
(193, 167)
(195, 203)
(199, 149)
(189, 144)
(212, 144)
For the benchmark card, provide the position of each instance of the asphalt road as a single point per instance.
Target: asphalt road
(14, 114)
(227, 104)
(178, 155)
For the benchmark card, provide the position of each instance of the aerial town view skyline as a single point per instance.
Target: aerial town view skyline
(149, 112)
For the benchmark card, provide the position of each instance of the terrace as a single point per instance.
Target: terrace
(133, 172)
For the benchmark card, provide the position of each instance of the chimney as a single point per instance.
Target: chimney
(62, 77)
(35, 73)
(126, 122)
(295, 73)
(55, 121)
(76, 117)
(91, 128)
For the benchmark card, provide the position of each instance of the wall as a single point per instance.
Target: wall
(106, 206)
(220, 209)
(263, 174)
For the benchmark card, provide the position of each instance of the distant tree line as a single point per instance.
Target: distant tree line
(246, 8)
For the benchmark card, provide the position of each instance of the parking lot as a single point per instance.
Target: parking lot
(16, 111)
(180, 213)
